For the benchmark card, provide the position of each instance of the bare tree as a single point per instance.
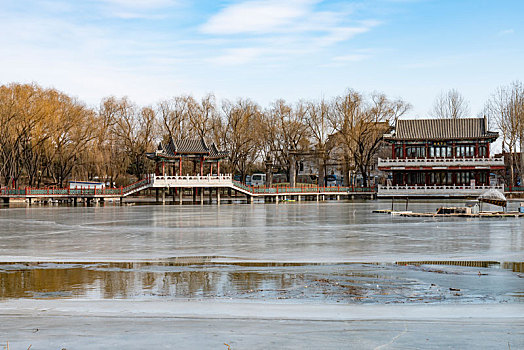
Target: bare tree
(506, 109)
(173, 114)
(201, 115)
(240, 137)
(450, 105)
(284, 133)
(318, 122)
(135, 129)
(360, 126)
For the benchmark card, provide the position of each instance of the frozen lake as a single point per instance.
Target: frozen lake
(303, 232)
(290, 275)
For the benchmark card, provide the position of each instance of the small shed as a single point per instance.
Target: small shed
(86, 185)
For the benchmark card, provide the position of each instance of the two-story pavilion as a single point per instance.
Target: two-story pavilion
(442, 154)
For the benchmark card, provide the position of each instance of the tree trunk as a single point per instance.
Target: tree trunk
(511, 168)
(363, 170)
(521, 160)
(292, 171)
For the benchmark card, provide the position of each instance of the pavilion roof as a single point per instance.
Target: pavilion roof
(187, 148)
(442, 129)
(215, 153)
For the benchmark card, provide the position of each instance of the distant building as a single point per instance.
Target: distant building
(439, 157)
(86, 185)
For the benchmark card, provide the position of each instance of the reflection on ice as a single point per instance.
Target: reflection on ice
(306, 252)
(483, 282)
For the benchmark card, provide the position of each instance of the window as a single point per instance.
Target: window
(483, 178)
(483, 151)
(398, 151)
(440, 152)
(416, 152)
(465, 151)
(416, 178)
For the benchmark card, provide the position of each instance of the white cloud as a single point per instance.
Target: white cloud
(136, 9)
(257, 16)
(341, 34)
(351, 58)
(507, 32)
(238, 56)
(140, 4)
(280, 30)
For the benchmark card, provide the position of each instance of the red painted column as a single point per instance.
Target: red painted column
(180, 166)
(218, 168)
(201, 166)
(211, 170)
(404, 150)
(476, 149)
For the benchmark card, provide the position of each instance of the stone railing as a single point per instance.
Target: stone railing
(434, 190)
(436, 162)
(191, 180)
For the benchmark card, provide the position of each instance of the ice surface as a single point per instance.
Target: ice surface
(261, 276)
(306, 232)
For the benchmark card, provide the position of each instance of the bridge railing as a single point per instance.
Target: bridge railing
(302, 189)
(135, 185)
(12, 192)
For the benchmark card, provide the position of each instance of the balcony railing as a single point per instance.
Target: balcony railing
(434, 190)
(436, 162)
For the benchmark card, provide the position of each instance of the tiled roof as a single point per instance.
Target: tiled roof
(191, 146)
(442, 129)
(174, 148)
(215, 153)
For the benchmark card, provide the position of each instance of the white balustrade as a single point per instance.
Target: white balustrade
(191, 180)
(434, 190)
(440, 162)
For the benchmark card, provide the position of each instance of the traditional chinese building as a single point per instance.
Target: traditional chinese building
(169, 157)
(442, 154)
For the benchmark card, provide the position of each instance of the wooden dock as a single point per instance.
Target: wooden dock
(485, 214)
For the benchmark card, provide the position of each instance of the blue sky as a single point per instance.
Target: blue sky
(264, 49)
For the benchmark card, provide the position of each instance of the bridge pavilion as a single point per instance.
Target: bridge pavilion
(169, 156)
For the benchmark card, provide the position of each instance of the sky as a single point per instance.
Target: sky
(150, 50)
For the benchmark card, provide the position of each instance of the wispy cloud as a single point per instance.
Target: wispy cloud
(238, 56)
(351, 58)
(507, 32)
(271, 28)
(257, 17)
(141, 4)
(137, 9)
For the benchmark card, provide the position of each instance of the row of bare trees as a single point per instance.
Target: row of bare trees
(48, 137)
(505, 109)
